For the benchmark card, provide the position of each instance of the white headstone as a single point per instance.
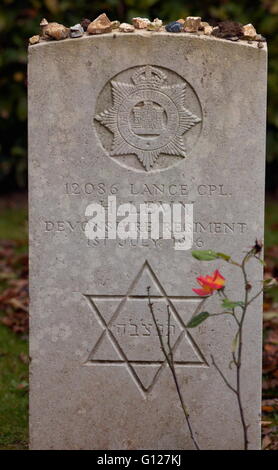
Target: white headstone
(136, 118)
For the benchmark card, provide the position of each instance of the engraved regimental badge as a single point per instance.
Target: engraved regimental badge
(149, 117)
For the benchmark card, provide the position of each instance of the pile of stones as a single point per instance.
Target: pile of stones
(230, 30)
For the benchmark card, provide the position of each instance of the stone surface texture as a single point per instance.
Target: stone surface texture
(98, 380)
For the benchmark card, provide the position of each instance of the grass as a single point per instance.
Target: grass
(13, 224)
(13, 391)
(13, 354)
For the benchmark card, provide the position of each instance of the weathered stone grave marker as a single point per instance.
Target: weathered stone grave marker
(139, 118)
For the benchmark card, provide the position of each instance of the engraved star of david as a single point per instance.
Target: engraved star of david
(129, 336)
(148, 118)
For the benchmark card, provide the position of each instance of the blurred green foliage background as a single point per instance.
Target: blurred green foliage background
(20, 19)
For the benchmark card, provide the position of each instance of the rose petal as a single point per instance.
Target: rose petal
(201, 292)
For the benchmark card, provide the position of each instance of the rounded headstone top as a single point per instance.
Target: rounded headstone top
(144, 33)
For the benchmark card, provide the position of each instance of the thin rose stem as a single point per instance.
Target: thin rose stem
(222, 375)
(172, 368)
(240, 347)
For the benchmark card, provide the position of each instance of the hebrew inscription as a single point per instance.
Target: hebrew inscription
(150, 115)
(129, 337)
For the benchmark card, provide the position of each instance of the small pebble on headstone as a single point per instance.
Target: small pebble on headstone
(126, 28)
(140, 23)
(56, 31)
(228, 29)
(192, 24)
(76, 31)
(155, 25)
(100, 25)
(43, 25)
(34, 40)
(206, 28)
(115, 24)
(174, 27)
(85, 23)
(249, 32)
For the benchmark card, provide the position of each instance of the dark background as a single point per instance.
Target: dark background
(20, 19)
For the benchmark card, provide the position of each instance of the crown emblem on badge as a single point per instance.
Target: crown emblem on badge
(148, 117)
(149, 76)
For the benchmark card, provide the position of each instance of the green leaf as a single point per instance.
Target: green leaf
(223, 256)
(230, 304)
(209, 255)
(195, 321)
(261, 261)
(204, 255)
(271, 282)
